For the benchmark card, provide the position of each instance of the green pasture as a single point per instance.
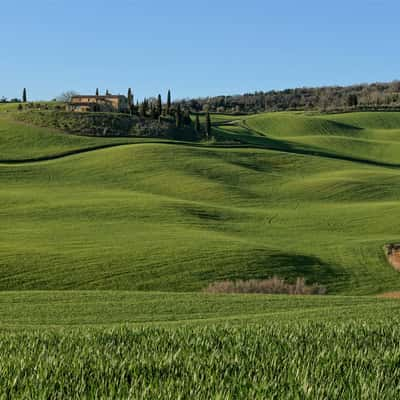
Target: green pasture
(175, 217)
(301, 360)
(106, 245)
(79, 309)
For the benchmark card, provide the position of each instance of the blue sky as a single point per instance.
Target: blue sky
(195, 48)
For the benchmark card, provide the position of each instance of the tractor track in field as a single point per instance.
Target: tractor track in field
(275, 146)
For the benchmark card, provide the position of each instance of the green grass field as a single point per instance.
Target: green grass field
(317, 360)
(72, 310)
(106, 244)
(365, 135)
(170, 217)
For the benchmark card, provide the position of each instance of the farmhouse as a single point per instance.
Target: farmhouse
(110, 103)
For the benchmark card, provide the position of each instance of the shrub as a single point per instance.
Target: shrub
(273, 285)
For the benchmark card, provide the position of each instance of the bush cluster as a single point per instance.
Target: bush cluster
(274, 285)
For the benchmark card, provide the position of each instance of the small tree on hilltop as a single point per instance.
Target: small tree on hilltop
(67, 96)
(178, 116)
(187, 121)
(142, 111)
(24, 96)
(130, 100)
(159, 105)
(153, 111)
(208, 125)
(169, 103)
(197, 126)
(144, 107)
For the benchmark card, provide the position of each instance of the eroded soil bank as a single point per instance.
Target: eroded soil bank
(393, 255)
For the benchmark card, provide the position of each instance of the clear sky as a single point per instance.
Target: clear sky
(196, 48)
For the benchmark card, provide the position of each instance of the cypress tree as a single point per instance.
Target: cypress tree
(24, 97)
(142, 109)
(97, 92)
(187, 121)
(130, 100)
(159, 105)
(107, 92)
(178, 116)
(169, 102)
(197, 124)
(153, 111)
(208, 125)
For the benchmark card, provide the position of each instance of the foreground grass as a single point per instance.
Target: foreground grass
(126, 345)
(297, 361)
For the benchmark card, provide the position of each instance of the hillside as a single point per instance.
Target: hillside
(19, 141)
(364, 136)
(154, 216)
(107, 124)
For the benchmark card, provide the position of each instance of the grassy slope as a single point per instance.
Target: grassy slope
(369, 136)
(167, 217)
(11, 107)
(174, 217)
(21, 142)
(99, 309)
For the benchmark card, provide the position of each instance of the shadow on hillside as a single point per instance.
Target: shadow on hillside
(264, 264)
(258, 140)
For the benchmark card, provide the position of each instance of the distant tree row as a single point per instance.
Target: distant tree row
(154, 108)
(329, 98)
(23, 99)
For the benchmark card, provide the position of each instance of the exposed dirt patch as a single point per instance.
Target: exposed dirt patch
(393, 255)
(390, 295)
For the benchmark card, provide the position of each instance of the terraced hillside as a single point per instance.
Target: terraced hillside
(173, 217)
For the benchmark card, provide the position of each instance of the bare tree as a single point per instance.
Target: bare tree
(66, 96)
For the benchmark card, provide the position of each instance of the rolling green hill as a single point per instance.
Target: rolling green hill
(107, 243)
(365, 136)
(20, 141)
(163, 216)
